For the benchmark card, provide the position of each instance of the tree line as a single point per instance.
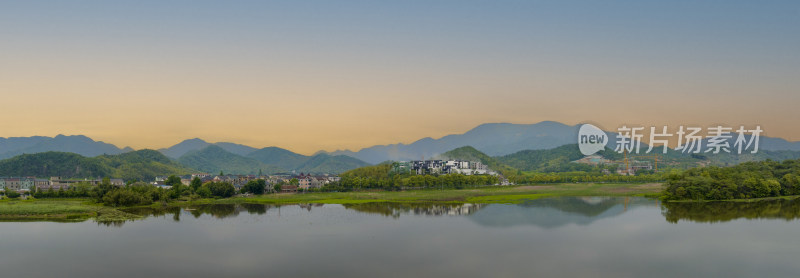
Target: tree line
(744, 181)
(140, 193)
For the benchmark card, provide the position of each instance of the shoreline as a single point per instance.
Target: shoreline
(82, 209)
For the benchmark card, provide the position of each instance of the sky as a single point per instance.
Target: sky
(328, 75)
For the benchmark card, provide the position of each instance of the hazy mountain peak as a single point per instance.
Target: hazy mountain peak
(184, 147)
(78, 144)
(494, 139)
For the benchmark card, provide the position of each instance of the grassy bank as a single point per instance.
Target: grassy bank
(476, 195)
(59, 210)
(69, 210)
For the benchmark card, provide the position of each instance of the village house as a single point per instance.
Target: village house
(425, 167)
(24, 184)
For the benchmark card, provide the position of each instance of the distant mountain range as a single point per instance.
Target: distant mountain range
(241, 159)
(494, 139)
(79, 144)
(499, 139)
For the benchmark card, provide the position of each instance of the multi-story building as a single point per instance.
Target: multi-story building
(23, 183)
(422, 167)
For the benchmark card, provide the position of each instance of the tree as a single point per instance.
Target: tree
(173, 180)
(196, 184)
(101, 189)
(277, 187)
(204, 192)
(124, 197)
(255, 186)
(220, 189)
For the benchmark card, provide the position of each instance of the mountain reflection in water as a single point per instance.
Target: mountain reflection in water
(543, 212)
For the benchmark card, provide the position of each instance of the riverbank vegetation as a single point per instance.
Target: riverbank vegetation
(140, 193)
(744, 181)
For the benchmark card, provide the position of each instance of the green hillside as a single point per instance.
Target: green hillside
(142, 165)
(324, 163)
(213, 159)
(552, 160)
(278, 157)
(267, 160)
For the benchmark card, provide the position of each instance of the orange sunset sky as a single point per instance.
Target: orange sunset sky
(347, 75)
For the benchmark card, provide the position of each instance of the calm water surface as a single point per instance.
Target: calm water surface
(573, 237)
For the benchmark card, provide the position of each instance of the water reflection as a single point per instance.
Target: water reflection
(219, 211)
(561, 237)
(556, 212)
(394, 210)
(544, 212)
(714, 212)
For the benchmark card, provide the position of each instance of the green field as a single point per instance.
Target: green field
(477, 195)
(82, 209)
(60, 210)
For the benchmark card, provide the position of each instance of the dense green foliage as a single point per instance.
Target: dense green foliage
(579, 176)
(11, 194)
(135, 194)
(383, 177)
(747, 180)
(138, 193)
(49, 164)
(255, 186)
(220, 189)
(136, 165)
(196, 183)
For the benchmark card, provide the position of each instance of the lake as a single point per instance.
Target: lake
(572, 237)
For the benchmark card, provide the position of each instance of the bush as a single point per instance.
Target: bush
(125, 197)
(220, 189)
(204, 192)
(255, 186)
(11, 194)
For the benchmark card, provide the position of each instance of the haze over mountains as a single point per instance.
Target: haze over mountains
(501, 139)
(493, 139)
(234, 158)
(78, 144)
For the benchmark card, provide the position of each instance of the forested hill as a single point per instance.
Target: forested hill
(142, 165)
(551, 160)
(214, 158)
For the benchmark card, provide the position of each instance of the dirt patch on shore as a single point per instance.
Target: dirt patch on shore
(649, 187)
(534, 187)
